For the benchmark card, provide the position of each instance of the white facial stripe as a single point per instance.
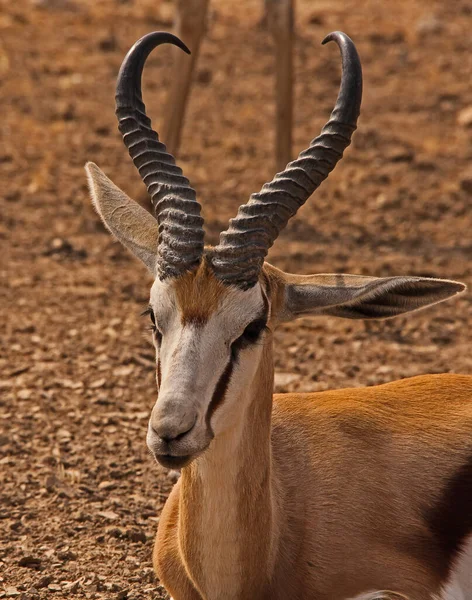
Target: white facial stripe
(193, 357)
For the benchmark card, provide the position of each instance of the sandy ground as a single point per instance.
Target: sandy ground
(79, 496)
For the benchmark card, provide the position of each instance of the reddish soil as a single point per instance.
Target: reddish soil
(79, 496)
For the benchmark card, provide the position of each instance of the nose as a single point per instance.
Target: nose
(172, 428)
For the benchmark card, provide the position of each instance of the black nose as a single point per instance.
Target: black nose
(167, 430)
(172, 437)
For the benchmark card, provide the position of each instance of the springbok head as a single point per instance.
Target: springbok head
(214, 309)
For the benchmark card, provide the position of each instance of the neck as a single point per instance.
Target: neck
(226, 530)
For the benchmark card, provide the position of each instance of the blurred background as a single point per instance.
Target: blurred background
(80, 498)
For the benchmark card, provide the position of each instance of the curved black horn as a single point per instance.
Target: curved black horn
(238, 258)
(180, 243)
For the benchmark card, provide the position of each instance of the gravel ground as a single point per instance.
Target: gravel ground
(80, 497)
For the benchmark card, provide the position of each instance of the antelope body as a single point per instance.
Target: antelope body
(325, 496)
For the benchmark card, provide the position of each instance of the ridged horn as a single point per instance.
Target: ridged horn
(180, 240)
(239, 256)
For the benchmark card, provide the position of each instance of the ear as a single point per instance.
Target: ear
(129, 222)
(359, 297)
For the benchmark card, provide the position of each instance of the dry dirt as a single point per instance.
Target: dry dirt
(79, 496)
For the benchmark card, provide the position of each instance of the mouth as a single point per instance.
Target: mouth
(173, 462)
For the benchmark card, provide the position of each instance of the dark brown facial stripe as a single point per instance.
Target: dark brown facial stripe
(220, 391)
(158, 371)
(450, 521)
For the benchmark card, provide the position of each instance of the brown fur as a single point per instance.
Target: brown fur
(358, 465)
(198, 294)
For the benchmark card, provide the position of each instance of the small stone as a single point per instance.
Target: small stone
(464, 118)
(108, 514)
(81, 516)
(24, 394)
(63, 435)
(11, 592)
(384, 369)
(30, 562)
(466, 183)
(67, 555)
(115, 532)
(106, 485)
(98, 383)
(123, 371)
(44, 582)
(72, 586)
(316, 19)
(136, 535)
(54, 587)
(428, 25)
(50, 483)
(204, 76)
(108, 43)
(399, 154)
(424, 164)
(13, 195)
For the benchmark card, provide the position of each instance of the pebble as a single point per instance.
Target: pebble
(31, 562)
(97, 383)
(44, 582)
(67, 555)
(428, 25)
(399, 154)
(466, 183)
(115, 532)
(108, 514)
(106, 485)
(464, 117)
(136, 535)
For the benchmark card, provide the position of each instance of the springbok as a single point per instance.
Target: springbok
(323, 495)
(190, 23)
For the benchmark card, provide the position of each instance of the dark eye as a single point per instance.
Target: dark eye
(249, 336)
(153, 318)
(253, 331)
(154, 327)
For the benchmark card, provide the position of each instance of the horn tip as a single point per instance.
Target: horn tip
(176, 41)
(333, 36)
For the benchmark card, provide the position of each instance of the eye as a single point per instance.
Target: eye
(249, 336)
(153, 318)
(253, 331)
(154, 327)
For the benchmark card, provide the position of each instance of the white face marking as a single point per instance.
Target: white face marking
(193, 358)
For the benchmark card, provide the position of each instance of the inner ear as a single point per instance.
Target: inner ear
(359, 297)
(129, 222)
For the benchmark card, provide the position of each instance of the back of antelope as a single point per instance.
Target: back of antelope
(320, 496)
